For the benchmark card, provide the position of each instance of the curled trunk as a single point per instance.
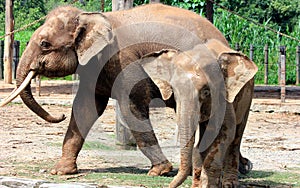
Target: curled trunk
(26, 94)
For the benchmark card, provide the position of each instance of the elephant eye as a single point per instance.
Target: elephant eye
(204, 93)
(45, 44)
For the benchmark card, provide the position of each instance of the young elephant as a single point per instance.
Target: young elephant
(212, 86)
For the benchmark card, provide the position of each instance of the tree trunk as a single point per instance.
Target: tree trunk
(124, 137)
(121, 4)
(102, 2)
(8, 43)
(210, 11)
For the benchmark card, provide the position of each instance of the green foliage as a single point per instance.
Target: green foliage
(27, 12)
(284, 13)
(246, 33)
(193, 5)
(91, 5)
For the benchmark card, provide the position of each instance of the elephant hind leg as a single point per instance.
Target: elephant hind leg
(245, 165)
(148, 144)
(136, 115)
(160, 169)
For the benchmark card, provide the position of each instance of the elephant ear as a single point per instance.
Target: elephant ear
(93, 33)
(160, 69)
(237, 68)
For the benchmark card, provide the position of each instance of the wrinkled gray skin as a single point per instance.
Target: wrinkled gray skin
(197, 78)
(100, 47)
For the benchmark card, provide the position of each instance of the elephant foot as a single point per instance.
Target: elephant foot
(245, 165)
(160, 169)
(64, 167)
(230, 184)
(230, 179)
(196, 177)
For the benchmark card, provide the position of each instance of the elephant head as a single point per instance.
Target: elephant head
(68, 37)
(202, 75)
(202, 80)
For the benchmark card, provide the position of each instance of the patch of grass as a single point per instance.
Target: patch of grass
(68, 78)
(273, 179)
(94, 145)
(124, 179)
(88, 145)
(133, 176)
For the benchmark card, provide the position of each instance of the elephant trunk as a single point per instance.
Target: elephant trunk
(24, 75)
(30, 102)
(188, 117)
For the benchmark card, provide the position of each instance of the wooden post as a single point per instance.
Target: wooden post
(251, 52)
(102, 2)
(38, 85)
(16, 55)
(237, 47)
(266, 49)
(121, 4)
(75, 76)
(210, 11)
(8, 43)
(124, 137)
(279, 66)
(1, 59)
(297, 65)
(282, 73)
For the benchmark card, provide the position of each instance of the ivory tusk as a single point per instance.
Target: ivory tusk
(18, 90)
(10, 94)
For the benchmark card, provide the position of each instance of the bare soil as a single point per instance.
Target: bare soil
(271, 140)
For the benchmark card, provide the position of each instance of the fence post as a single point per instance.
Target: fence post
(251, 52)
(266, 50)
(282, 73)
(279, 66)
(8, 41)
(124, 137)
(38, 85)
(297, 65)
(237, 47)
(1, 59)
(16, 55)
(75, 76)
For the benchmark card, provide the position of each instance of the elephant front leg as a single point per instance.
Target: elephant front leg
(197, 158)
(231, 162)
(213, 161)
(85, 112)
(72, 144)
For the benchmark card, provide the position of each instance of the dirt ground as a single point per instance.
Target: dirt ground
(271, 140)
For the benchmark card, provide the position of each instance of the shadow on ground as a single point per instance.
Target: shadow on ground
(255, 179)
(266, 179)
(127, 170)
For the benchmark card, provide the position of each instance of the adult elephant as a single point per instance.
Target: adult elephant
(101, 49)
